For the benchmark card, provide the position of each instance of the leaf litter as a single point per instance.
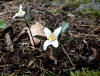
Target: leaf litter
(36, 29)
(83, 47)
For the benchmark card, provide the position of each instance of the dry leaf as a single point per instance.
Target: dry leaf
(30, 63)
(36, 29)
(9, 43)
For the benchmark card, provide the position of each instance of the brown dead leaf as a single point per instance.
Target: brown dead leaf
(36, 29)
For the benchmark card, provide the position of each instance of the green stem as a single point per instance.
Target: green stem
(56, 55)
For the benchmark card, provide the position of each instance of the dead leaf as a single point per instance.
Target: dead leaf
(30, 63)
(94, 51)
(9, 43)
(36, 29)
(20, 34)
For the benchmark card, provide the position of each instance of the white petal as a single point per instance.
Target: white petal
(46, 43)
(55, 43)
(47, 32)
(23, 13)
(15, 15)
(20, 7)
(57, 32)
(20, 10)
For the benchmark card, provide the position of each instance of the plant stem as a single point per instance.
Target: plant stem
(43, 69)
(30, 32)
(68, 56)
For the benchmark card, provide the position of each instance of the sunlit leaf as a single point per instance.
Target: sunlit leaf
(36, 29)
(2, 24)
(72, 74)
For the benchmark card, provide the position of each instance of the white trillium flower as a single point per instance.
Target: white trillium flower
(20, 13)
(52, 37)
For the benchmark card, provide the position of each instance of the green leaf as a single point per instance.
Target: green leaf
(2, 24)
(27, 14)
(64, 25)
(41, 37)
(56, 3)
(50, 74)
(72, 74)
(54, 11)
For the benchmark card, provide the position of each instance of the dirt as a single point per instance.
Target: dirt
(82, 46)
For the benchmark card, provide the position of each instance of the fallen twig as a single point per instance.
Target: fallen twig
(68, 56)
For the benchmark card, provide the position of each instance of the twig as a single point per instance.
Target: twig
(44, 69)
(68, 56)
(30, 32)
(27, 23)
(82, 35)
(65, 3)
(22, 32)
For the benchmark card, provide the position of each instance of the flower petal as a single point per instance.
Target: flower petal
(15, 15)
(46, 43)
(22, 14)
(55, 43)
(47, 32)
(57, 32)
(20, 8)
(19, 15)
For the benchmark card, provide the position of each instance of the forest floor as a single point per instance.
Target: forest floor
(80, 47)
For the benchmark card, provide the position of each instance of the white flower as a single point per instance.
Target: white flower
(20, 13)
(52, 37)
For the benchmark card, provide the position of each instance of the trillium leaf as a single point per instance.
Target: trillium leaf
(56, 3)
(2, 24)
(65, 26)
(27, 14)
(43, 38)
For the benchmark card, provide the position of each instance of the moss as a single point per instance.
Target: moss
(92, 8)
(85, 72)
(76, 3)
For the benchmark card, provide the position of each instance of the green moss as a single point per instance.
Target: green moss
(85, 72)
(76, 3)
(40, 1)
(54, 11)
(92, 8)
